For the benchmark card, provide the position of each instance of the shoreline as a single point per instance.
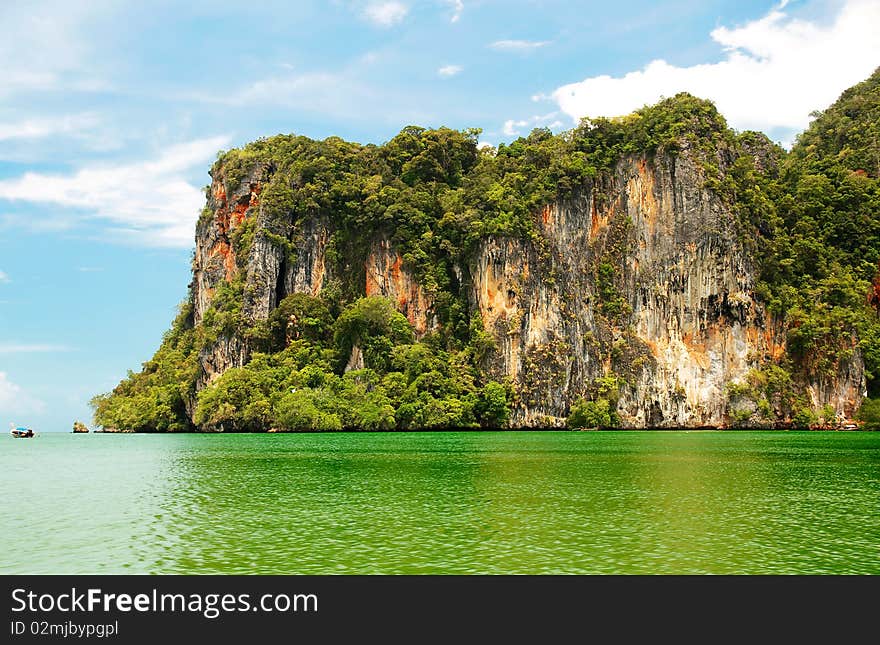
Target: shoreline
(496, 430)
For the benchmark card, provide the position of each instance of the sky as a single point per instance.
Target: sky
(112, 112)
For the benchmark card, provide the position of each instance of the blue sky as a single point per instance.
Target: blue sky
(111, 114)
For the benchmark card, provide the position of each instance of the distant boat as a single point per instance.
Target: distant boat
(20, 432)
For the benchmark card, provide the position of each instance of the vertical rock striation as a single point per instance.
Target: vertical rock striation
(386, 275)
(686, 323)
(278, 262)
(215, 260)
(640, 274)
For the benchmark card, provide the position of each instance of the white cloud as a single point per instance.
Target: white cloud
(370, 58)
(48, 223)
(385, 14)
(340, 95)
(457, 8)
(24, 348)
(776, 70)
(46, 47)
(291, 89)
(519, 45)
(511, 127)
(150, 201)
(449, 70)
(35, 139)
(334, 94)
(14, 400)
(343, 94)
(41, 128)
(4, 277)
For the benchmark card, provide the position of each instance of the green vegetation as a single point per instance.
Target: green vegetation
(155, 398)
(869, 413)
(592, 414)
(599, 409)
(300, 384)
(819, 248)
(811, 218)
(816, 212)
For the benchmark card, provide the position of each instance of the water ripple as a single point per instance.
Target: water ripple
(441, 503)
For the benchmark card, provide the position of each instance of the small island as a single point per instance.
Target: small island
(657, 270)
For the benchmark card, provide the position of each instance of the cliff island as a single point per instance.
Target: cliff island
(654, 270)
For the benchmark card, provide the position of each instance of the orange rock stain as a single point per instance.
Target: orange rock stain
(598, 220)
(225, 221)
(393, 281)
(224, 250)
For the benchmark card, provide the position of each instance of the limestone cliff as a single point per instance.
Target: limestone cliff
(686, 325)
(386, 276)
(689, 325)
(269, 270)
(658, 270)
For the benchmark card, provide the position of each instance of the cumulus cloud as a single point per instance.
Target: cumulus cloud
(519, 45)
(511, 125)
(147, 203)
(449, 70)
(775, 71)
(385, 14)
(14, 400)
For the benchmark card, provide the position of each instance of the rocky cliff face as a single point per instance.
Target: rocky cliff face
(641, 274)
(387, 276)
(270, 270)
(215, 260)
(688, 324)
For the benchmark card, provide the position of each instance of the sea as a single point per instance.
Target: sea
(544, 502)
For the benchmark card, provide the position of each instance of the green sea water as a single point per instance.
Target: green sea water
(443, 503)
